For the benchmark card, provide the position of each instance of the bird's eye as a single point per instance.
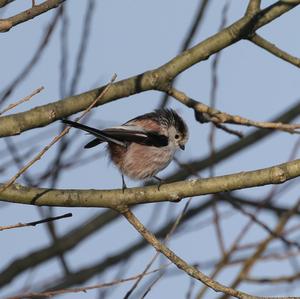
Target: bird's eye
(176, 136)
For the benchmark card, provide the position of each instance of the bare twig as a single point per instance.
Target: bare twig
(70, 240)
(271, 48)
(7, 24)
(34, 223)
(253, 7)
(216, 116)
(235, 244)
(181, 264)
(232, 148)
(278, 279)
(248, 264)
(83, 289)
(77, 235)
(188, 39)
(13, 105)
(155, 79)
(66, 143)
(255, 219)
(190, 289)
(159, 276)
(55, 164)
(63, 65)
(55, 139)
(83, 45)
(229, 131)
(173, 228)
(35, 58)
(212, 135)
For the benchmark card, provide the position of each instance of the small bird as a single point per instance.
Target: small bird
(143, 146)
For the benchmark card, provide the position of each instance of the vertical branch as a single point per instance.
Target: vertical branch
(49, 211)
(63, 67)
(35, 58)
(90, 10)
(188, 39)
(212, 135)
(253, 7)
(66, 142)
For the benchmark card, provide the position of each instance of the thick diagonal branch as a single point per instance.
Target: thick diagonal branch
(156, 79)
(183, 265)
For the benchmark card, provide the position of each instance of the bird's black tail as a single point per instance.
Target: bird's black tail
(101, 136)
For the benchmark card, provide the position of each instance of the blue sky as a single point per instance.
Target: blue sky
(129, 37)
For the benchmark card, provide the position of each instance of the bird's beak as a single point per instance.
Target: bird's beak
(182, 147)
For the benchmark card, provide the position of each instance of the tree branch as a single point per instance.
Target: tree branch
(5, 2)
(49, 294)
(55, 139)
(116, 199)
(271, 48)
(249, 263)
(230, 149)
(156, 79)
(253, 7)
(206, 113)
(7, 24)
(27, 98)
(277, 279)
(34, 223)
(181, 264)
(203, 5)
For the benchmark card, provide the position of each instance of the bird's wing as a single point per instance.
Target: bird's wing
(121, 135)
(101, 136)
(131, 133)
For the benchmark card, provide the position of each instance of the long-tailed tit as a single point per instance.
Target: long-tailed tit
(143, 146)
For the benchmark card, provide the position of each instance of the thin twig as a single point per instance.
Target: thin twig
(159, 276)
(206, 113)
(56, 138)
(181, 264)
(190, 289)
(176, 223)
(212, 133)
(255, 219)
(76, 236)
(83, 289)
(34, 223)
(90, 11)
(249, 263)
(155, 79)
(278, 279)
(7, 24)
(229, 131)
(13, 105)
(188, 40)
(48, 33)
(235, 244)
(271, 48)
